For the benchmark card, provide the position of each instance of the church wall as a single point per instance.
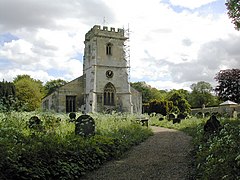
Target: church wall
(57, 100)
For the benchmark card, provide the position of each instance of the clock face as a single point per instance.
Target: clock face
(109, 73)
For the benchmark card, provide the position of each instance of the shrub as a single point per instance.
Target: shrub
(215, 156)
(56, 152)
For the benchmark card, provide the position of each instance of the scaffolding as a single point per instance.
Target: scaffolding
(127, 49)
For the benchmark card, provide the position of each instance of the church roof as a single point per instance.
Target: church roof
(228, 103)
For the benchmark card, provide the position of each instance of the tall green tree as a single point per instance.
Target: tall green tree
(202, 95)
(233, 7)
(29, 92)
(52, 85)
(149, 93)
(145, 89)
(228, 87)
(180, 103)
(161, 107)
(7, 96)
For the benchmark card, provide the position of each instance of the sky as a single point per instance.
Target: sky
(173, 43)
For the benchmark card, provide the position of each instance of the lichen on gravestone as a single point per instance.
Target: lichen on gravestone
(85, 126)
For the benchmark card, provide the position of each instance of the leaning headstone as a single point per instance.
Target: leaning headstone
(85, 126)
(212, 125)
(35, 123)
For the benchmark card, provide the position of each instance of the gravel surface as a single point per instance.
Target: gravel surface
(165, 155)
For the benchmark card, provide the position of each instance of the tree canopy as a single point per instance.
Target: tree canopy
(148, 93)
(233, 7)
(52, 85)
(228, 87)
(7, 96)
(180, 103)
(202, 95)
(29, 92)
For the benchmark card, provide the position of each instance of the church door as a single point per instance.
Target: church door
(70, 104)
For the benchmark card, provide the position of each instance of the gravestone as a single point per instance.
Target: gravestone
(181, 116)
(85, 126)
(176, 120)
(212, 125)
(161, 119)
(72, 116)
(35, 123)
(171, 117)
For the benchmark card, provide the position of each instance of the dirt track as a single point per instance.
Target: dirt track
(165, 155)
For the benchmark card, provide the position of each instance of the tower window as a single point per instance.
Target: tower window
(109, 95)
(89, 49)
(109, 49)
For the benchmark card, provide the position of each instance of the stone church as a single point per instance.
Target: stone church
(104, 85)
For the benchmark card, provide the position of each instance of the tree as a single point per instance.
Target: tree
(202, 87)
(52, 85)
(29, 92)
(233, 7)
(7, 96)
(145, 90)
(161, 107)
(202, 95)
(180, 104)
(228, 87)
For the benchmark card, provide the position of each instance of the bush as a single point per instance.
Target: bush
(218, 156)
(215, 156)
(56, 152)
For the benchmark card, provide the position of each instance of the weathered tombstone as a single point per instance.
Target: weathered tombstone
(176, 120)
(35, 123)
(171, 117)
(85, 126)
(181, 116)
(72, 116)
(212, 125)
(161, 119)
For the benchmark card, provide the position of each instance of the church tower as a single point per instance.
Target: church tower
(105, 71)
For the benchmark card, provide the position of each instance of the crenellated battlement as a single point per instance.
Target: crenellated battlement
(105, 28)
(105, 31)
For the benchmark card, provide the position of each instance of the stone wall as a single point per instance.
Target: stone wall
(57, 100)
(223, 110)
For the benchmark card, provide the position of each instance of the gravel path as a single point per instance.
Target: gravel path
(165, 155)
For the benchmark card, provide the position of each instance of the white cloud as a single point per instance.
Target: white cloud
(191, 4)
(168, 49)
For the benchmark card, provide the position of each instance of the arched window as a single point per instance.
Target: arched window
(109, 95)
(109, 49)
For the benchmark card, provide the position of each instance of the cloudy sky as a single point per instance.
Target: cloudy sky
(174, 43)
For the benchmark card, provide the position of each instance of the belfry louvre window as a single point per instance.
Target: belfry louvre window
(70, 104)
(109, 95)
(109, 49)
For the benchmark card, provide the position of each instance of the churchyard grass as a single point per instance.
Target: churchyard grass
(215, 156)
(53, 151)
